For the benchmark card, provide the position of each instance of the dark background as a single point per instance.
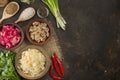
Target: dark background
(91, 42)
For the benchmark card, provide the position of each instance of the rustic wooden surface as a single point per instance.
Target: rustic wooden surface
(91, 43)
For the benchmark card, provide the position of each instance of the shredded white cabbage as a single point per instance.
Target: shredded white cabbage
(32, 62)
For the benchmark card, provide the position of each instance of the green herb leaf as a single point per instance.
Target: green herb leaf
(7, 70)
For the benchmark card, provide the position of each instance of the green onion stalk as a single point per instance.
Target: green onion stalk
(54, 8)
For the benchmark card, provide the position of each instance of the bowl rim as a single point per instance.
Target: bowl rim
(22, 36)
(5, 3)
(34, 42)
(38, 12)
(47, 64)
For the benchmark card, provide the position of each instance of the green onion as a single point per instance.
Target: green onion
(54, 8)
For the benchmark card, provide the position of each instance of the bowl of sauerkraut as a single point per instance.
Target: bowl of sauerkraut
(32, 62)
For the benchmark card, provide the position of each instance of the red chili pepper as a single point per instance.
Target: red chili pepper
(52, 75)
(59, 63)
(56, 67)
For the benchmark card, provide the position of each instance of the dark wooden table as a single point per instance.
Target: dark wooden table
(91, 43)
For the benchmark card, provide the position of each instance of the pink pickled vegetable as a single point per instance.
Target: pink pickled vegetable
(9, 36)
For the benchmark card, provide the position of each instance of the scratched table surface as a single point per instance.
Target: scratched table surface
(91, 43)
